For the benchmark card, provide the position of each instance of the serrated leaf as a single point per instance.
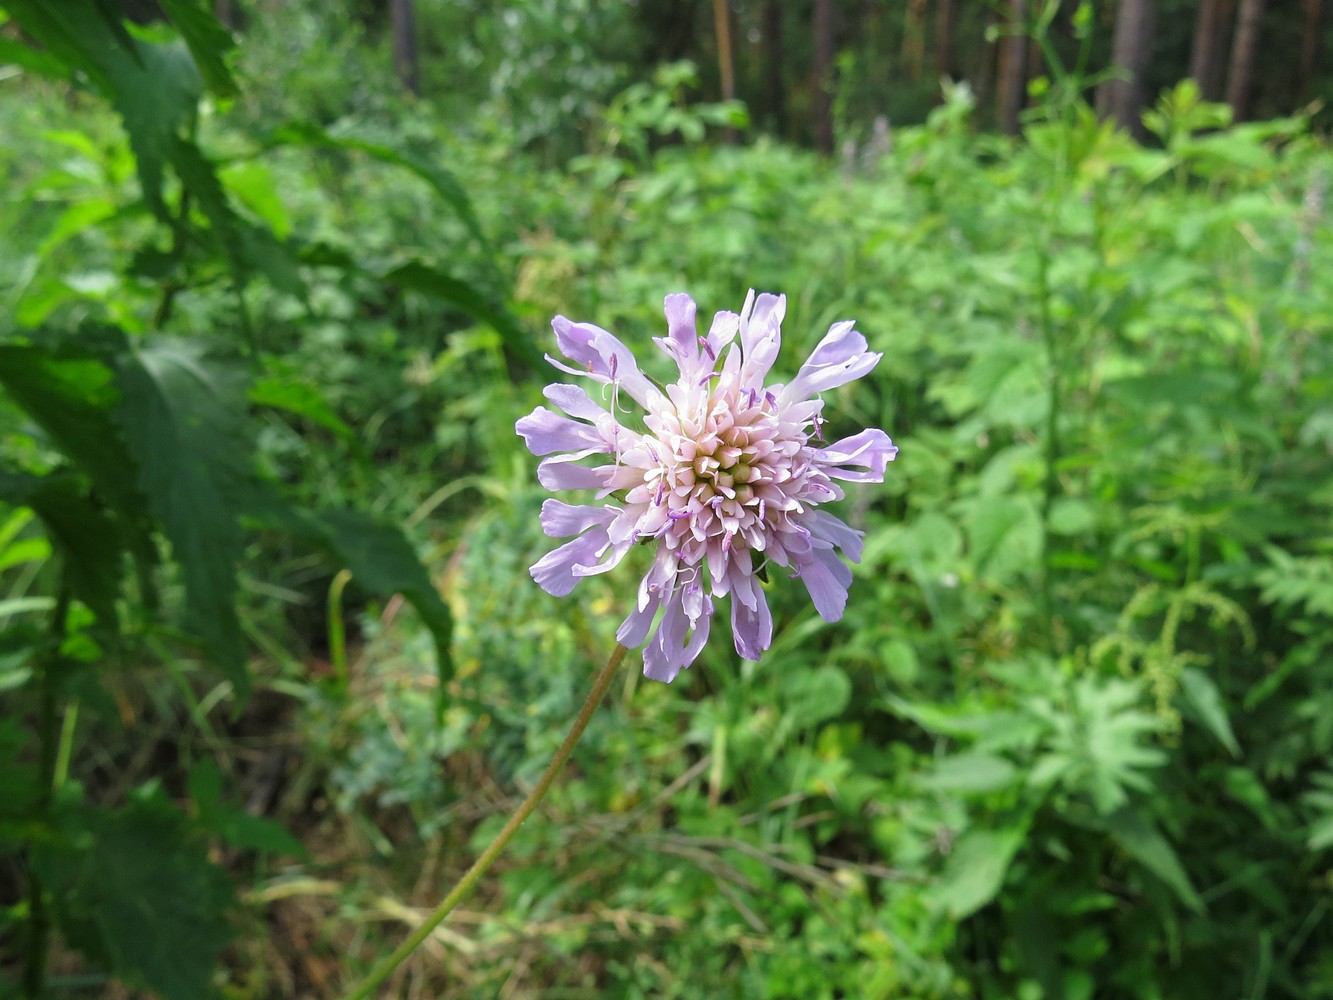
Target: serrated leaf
(134, 890)
(207, 40)
(183, 418)
(1143, 842)
(71, 396)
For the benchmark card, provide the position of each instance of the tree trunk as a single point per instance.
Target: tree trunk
(822, 105)
(1243, 51)
(1122, 98)
(946, 27)
(913, 55)
(405, 59)
(1013, 68)
(1209, 53)
(777, 91)
(725, 70)
(1311, 16)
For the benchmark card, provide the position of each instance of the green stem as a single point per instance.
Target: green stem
(469, 880)
(338, 630)
(39, 919)
(1051, 485)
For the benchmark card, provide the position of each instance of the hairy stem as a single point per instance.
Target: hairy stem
(469, 880)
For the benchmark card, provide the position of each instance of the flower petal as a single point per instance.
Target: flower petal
(674, 646)
(560, 519)
(825, 526)
(563, 473)
(603, 355)
(545, 431)
(872, 449)
(554, 572)
(827, 578)
(761, 336)
(751, 628)
(682, 339)
(839, 358)
(574, 400)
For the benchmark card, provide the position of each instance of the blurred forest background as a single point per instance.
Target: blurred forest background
(276, 280)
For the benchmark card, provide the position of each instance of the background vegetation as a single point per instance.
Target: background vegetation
(271, 666)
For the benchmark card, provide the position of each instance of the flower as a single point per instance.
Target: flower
(726, 478)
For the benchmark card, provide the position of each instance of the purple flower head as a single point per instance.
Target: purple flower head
(727, 476)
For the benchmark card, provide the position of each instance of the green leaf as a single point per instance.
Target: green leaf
(814, 696)
(976, 868)
(70, 395)
(971, 772)
(184, 419)
(302, 399)
(306, 133)
(377, 553)
(420, 277)
(1206, 700)
(235, 826)
(135, 892)
(1142, 841)
(208, 42)
(86, 536)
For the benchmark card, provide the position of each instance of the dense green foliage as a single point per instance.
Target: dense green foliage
(266, 322)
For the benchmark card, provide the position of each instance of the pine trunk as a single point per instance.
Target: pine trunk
(1013, 68)
(777, 91)
(405, 60)
(1243, 51)
(1122, 98)
(1311, 16)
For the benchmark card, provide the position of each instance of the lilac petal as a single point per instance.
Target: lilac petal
(603, 355)
(761, 336)
(682, 341)
(674, 646)
(830, 529)
(752, 628)
(608, 560)
(574, 400)
(554, 572)
(545, 432)
(634, 629)
(827, 578)
(839, 358)
(560, 519)
(562, 473)
(721, 333)
(871, 449)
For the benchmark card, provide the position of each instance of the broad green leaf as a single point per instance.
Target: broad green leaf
(135, 891)
(235, 826)
(1206, 700)
(976, 868)
(420, 277)
(87, 538)
(208, 42)
(302, 399)
(969, 773)
(376, 552)
(1142, 841)
(306, 133)
(71, 396)
(184, 419)
(814, 696)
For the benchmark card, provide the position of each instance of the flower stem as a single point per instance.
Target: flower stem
(469, 880)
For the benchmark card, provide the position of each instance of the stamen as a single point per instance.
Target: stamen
(772, 399)
(678, 514)
(709, 377)
(708, 348)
